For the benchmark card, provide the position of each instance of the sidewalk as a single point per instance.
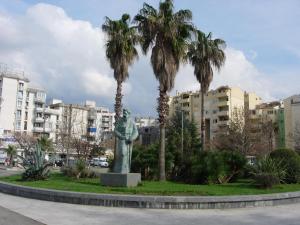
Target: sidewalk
(9, 217)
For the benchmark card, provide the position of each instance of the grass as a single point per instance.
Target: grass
(58, 181)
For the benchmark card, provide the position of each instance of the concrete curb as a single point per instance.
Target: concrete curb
(154, 202)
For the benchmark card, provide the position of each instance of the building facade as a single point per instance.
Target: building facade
(220, 104)
(23, 107)
(86, 121)
(292, 122)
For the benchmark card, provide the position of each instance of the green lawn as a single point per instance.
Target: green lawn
(60, 182)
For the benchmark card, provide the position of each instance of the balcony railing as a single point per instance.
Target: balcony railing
(39, 99)
(39, 119)
(39, 109)
(42, 129)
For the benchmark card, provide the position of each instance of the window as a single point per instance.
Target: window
(18, 125)
(21, 86)
(20, 94)
(19, 103)
(18, 114)
(26, 115)
(25, 125)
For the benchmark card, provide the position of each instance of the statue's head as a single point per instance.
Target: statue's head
(126, 113)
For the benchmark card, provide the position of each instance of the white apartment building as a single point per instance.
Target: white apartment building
(292, 121)
(219, 106)
(22, 107)
(145, 122)
(83, 121)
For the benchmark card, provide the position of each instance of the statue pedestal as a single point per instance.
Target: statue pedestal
(120, 179)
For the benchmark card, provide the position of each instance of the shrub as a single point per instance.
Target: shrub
(78, 171)
(268, 172)
(217, 166)
(290, 160)
(39, 169)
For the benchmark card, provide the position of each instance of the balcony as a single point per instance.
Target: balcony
(39, 119)
(223, 123)
(38, 129)
(39, 109)
(223, 103)
(39, 99)
(223, 113)
(42, 129)
(91, 129)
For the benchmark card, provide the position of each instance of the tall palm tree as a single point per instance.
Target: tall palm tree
(12, 152)
(204, 54)
(120, 52)
(166, 32)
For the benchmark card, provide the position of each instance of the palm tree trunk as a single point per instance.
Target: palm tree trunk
(118, 109)
(118, 99)
(162, 110)
(202, 135)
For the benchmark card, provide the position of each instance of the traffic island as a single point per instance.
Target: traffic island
(154, 202)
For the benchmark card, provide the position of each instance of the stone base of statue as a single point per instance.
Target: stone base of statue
(120, 179)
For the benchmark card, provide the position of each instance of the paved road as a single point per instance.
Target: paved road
(67, 214)
(8, 217)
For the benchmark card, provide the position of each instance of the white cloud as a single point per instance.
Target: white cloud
(67, 57)
(238, 71)
(63, 55)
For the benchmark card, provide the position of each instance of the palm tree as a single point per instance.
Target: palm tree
(12, 152)
(167, 34)
(204, 54)
(120, 52)
(46, 144)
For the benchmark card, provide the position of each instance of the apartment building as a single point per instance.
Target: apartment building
(145, 122)
(23, 107)
(82, 121)
(271, 114)
(292, 121)
(219, 105)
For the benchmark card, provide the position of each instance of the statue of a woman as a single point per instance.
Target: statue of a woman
(126, 132)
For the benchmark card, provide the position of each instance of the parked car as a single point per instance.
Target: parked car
(3, 161)
(101, 161)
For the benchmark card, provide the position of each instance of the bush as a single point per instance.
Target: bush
(79, 170)
(290, 160)
(268, 172)
(217, 166)
(39, 168)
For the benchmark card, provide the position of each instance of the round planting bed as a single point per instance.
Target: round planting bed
(155, 202)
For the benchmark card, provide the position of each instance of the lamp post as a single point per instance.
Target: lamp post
(182, 132)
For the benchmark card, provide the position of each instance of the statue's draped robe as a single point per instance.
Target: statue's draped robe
(124, 131)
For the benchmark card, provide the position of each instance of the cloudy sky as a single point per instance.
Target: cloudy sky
(60, 46)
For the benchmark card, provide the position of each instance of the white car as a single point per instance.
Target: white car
(102, 162)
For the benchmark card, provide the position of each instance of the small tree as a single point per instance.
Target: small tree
(11, 152)
(246, 136)
(26, 141)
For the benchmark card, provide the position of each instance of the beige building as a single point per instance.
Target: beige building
(268, 118)
(219, 106)
(292, 121)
